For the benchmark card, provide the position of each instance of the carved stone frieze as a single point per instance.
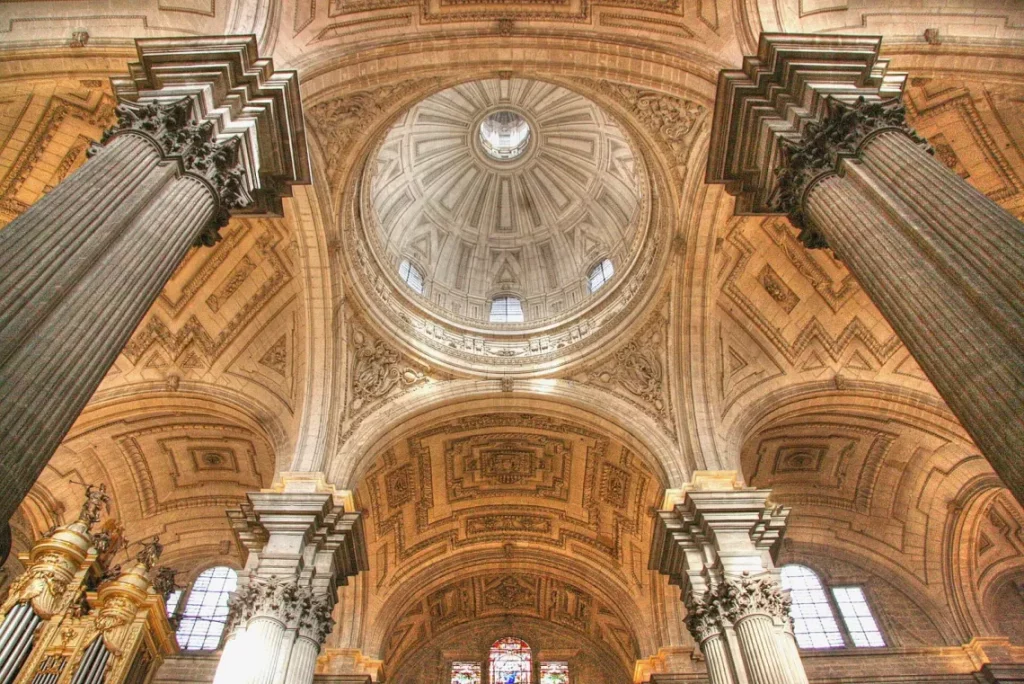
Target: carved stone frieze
(846, 126)
(174, 127)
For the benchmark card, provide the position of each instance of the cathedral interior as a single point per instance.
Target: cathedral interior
(512, 341)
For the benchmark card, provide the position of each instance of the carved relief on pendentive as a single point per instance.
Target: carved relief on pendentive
(399, 486)
(638, 372)
(377, 370)
(671, 119)
(338, 122)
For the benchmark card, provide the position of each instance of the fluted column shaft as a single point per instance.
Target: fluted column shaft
(78, 270)
(945, 265)
(719, 545)
(763, 657)
(263, 639)
(715, 651)
(302, 664)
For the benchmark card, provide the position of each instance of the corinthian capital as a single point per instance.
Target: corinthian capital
(823, 144)
(225, 112)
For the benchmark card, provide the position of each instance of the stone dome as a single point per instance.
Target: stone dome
(505, 188)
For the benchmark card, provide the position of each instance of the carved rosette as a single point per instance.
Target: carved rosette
(174, 128)
(841, 134)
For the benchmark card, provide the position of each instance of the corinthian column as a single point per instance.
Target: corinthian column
(718, 544)
(205, 128)
(301, 546)
(813, 127)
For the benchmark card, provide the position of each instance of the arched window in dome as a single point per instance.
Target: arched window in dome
(511, 661)
(411, 275)
(465, 673)
(814, 612)
(201, 620)
(601, 274)
(506, 309)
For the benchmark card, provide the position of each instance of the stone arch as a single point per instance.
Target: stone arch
(549, 396)
(172, 463)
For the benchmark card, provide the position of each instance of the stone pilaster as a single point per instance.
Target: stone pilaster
(718, 544)
(205, 128)
(301, 546)
(813, 127)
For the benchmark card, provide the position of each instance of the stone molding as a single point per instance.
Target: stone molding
(240, 96)
(789, 85)
(846, 127)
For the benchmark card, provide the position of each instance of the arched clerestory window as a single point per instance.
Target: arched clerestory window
(202, 609)
(814, 610)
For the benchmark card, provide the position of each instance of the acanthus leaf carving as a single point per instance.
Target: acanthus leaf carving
(845, 127)
(174, 128)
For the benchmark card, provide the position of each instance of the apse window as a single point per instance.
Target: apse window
(465, 673)
(206, 609)
(504, 135)
(506, 310)
(814, 612)
(601, 274)
(511, 661)
(411, 276)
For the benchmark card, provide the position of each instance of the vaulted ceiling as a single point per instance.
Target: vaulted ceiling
(532, 503)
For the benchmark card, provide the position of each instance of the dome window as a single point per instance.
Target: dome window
(601, 274)
(504, 135)
(506, 310)
(411, 275)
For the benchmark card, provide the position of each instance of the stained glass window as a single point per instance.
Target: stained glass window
(465, 673)
(511, 661)
(202, 621)
(554, 673)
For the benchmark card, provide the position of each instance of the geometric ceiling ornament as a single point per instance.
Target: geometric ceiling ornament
(532, 183)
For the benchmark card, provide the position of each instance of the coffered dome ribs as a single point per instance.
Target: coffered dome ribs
(530, 225)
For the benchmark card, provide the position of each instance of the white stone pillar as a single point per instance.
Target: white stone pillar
(204, 128)
(813, 127)
(301, 547)
(718, 543)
